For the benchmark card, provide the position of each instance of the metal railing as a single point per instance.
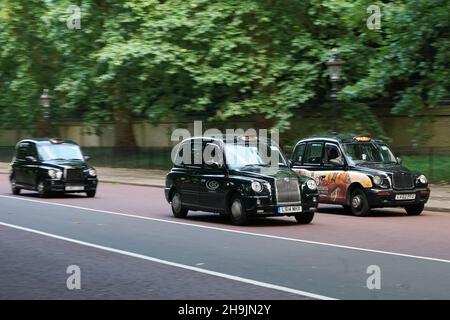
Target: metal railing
(434, 162)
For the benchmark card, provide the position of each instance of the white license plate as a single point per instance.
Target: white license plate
(290, 209)
(74, 188)
(410, 196)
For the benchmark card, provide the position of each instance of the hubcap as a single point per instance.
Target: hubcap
(356, 202)
(176, 203)
(236, 209)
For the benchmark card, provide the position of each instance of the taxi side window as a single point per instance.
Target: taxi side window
(24, 150)
(299, 151)
(314, 153)
(183, 156)
(213, 155)
(196, 153)
(332, 155)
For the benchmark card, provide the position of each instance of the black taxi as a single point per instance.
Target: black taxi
(51, 165)
(233, 176)
(360, 173)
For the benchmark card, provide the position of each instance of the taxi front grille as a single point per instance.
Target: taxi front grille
(403, 180)
(74, 175)
(287, 190)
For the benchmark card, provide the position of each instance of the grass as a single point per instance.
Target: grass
(436, 168)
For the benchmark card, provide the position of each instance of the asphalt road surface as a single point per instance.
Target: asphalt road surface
(128, 246)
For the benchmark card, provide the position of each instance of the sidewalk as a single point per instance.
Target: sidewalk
(439, 200)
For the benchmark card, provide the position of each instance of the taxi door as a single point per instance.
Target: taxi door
(212, 180)
(333, 176)
(307, 161)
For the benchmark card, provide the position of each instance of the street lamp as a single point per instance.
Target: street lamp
(334, 65)
(45, 103)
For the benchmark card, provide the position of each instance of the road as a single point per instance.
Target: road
(128, 246)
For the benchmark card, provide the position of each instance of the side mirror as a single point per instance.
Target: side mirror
(215, 165)
(399, 160)
(337, 162)
(290, 163)
(86, 158)
(30, 159)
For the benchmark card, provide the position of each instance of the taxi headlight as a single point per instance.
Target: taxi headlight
(311, 184)
(422, 179)
(377, 180)
(59, 175)
(52, 173)
(92, 172)
(256, 186)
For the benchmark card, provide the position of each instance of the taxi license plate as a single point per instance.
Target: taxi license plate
(74, 188)
(289, 209)
(411, 196)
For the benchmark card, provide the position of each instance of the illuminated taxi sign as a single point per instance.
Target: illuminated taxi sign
(249, 138)
(57, 140)
(363, 138)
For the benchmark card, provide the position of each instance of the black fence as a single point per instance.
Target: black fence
(434, 162)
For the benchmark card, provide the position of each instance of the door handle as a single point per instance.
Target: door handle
(182, 179)
(203, 180)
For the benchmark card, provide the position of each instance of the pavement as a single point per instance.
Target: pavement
(439, 198)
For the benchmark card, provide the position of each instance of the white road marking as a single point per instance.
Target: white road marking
(234, 231)
(174, 264)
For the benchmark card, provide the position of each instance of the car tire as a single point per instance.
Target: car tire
(177, 206)
(359, 204)
(15, 190)
(42, 190)
(304, 218)
(415, 209)
(237, 213)
(91, 193)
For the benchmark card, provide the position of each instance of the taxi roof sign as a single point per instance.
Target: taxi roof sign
(57, 140)
(363, 138)
(249, 138)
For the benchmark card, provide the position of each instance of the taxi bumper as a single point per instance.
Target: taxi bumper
(379, 198)
(264, 206)
(54, 185)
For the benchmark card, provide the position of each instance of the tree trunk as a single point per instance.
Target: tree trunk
(123, 125)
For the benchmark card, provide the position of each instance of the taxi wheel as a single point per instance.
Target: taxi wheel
(42, 190)
(14, 189)
(304, 218)
(91, 193)
(359, 204)
(237, 212)
(177, 207)
(415, 209)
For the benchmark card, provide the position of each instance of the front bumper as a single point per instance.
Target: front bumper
(379, 198)
(262, 206)
(54, 185)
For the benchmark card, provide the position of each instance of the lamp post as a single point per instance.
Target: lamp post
(334, 65)
(45, 103)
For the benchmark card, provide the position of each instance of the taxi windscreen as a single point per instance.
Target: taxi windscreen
(59, 152)
(369, 152)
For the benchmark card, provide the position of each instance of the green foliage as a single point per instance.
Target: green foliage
(220, 59)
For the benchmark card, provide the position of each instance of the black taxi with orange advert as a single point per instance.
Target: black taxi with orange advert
(360, 173)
